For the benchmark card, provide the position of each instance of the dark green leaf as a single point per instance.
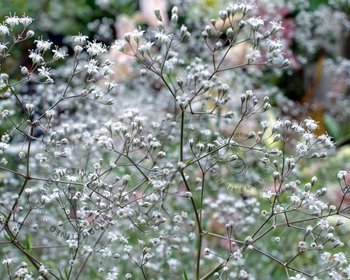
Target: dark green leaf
(27, 244)
(4, 89)
(185, 275)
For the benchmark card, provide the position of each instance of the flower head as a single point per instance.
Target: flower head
(42, 45)
(95, 49)
(4, 30)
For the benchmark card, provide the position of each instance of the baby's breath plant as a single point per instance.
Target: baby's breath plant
(177, 171)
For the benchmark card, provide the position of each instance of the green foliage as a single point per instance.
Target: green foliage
(314, 4)
(28, 246)
(185, 275)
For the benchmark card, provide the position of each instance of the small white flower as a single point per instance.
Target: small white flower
(43, 270)
(72, 178)
(12, 20)
(126, 179)
(307, 136)
(35, 57)
(335, 275)
(30, 107)
(145, 48)
(95, 49)
(49, 113)
(24, 71)
(111, 85)
(28, 191)
(42, 45)
(5, 114)
(276, 58)
(341, 174)
(3, 47)
(295, 199)
(60, 53)
(275, 26)
(277, 126)
(8, 261)
(340, 258)
(162, 37)
(92, 67)
(4, 30)
(301, 149)
(119, 45)
(297, 277)
(241, 7)
(253, 55)
(72, 243)
(80, 39)
(323, 224)
(268, 194)
(181, 165)
(25, 20)
(243, 274)
(184, 32)
(310, 124)
(255, 22)
(44, 72)
(137, 34)
(274, 45)
(78, 49)
(325, 257)
(23, 273)
(264, 124)
(340, 222)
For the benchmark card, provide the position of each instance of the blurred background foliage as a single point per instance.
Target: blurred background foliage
(64, 17)
(55, 19)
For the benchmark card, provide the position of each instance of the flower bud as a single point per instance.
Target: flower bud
(230, 33)
(307, 187)
(30, 34)
(174, 10)
(223, 15)
(188, 195)
(158, 15)
(174, 18)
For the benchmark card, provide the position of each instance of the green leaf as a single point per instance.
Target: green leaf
(27, 244)
(333, 127)
(60, 272)
(4, 89)
(314, 4)
(185, 275)
(4, 215)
